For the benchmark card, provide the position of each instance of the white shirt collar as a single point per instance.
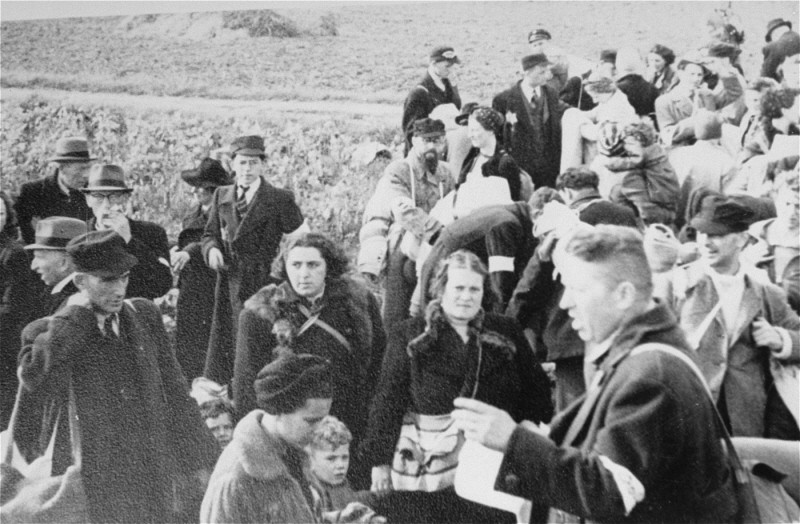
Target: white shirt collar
(252, 189)
(61, 285)
(528, 91)
(595, 352)
(61, 185)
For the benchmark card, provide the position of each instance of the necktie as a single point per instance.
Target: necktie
(108, 327)
(535, 98)
(241, 202)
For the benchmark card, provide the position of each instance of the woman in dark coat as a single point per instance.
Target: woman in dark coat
(318, 310)
(456, 350)
(196, 282)
(487, 156)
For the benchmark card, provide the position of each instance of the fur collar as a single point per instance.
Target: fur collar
(260, 453)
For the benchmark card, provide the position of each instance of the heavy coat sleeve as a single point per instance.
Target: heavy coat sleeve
(502, 245)
(378, 349)
(254, 344)
(781, 315)
(238, 499)
(291, 217)
(416, 106)
(212, 237)
(25, 208)
(535, 400)
(151, 277)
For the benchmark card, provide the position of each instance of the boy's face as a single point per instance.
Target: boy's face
(330, 465)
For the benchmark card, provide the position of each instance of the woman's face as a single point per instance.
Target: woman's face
(478, 135)
(693, 75)
(463, 293)
(306, 270)
(656, 61)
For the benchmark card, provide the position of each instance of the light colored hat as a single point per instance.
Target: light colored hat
(72, 149)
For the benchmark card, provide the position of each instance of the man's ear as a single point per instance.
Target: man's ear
(79, 280)
(625, 295)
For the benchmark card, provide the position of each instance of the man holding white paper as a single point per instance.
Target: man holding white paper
(638, 447)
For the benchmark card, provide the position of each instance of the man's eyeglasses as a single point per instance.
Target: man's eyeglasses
(113, 198)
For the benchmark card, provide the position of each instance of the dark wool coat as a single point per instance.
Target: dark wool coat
(165, 437)
(151, 277)
(641, 93)
(252, 482)
(521, 139)
(422, 99)
(195, 308)
(249, 246)
(424, 374)
(500, 164)
(43, 198)
(774, 52)
(652, 418)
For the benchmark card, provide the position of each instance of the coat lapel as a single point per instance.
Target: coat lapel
(749, 309)
(226, 206)
(519, 108)
(256, 212)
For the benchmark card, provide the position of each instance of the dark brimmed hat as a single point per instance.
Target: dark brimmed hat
(210, 173)
(248, 146)
(54, 233)
(722, 50)
(428, 128)
(539, 34)
(534, 60)
(101, 253)
(608, 55)
(289, 380)
(489, 119)
(106, 177)
(466, 110)
(775, 24)
(72, 149)
(444, 53)
(723, 217)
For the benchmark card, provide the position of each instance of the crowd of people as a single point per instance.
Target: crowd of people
(596, 273)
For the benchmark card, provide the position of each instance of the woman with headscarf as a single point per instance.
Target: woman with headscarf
(456, 350)
(659, 68)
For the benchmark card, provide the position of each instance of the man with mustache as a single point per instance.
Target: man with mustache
(396, 217)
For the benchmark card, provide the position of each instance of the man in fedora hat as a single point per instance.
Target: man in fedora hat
(57, 194)
(107, 196)
(140, 432)
(246, 223)
(781, 43)
(533, 121)
(435, 88)
(196, 280)
(737, 322)
(51, 261)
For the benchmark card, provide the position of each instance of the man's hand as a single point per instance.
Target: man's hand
(765, 335)
(118, 223)
(381, 479)
(215, 259)
(178, 259)
(483, 423)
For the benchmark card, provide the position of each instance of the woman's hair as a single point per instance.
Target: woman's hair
(664, 52)
(330, 432)
(10, 228)
(489, 119)
(336, 261)
(215, 408)
(466, 260)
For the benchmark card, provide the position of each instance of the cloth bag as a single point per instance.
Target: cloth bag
(57, 500)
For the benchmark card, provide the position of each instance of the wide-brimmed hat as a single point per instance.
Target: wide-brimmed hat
(774, 24)
(723, 217)
(444, 53)
(106, 177)
(428, 128)
(54, 233)
(72, 149)
(251, 145)
(722, 50)
(534, 60)
(101, 253)
(210, 173)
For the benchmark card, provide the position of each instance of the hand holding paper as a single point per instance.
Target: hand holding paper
(483, 423)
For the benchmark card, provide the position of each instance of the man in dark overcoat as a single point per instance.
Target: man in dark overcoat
(57, 194)
(141, 434)
(533, 113)
(107, 196)
(245, 226)
(641, 445)
(782, 42)
(196, 281)
(435, 88)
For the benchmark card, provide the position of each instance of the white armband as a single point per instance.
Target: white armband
(629, 487)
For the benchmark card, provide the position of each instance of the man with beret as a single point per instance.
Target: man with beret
(738, 323)
(781, 43)
(396, 218)
(260, 475)
(246, 223)
(533, 114)
(57, 194)
(196, 280)
(140, 432)
(435, 88)
(107, 195)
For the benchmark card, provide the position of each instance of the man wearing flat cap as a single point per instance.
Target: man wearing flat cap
(435, 88)
(140, 432)
(533, 113)
(246, 223)
(738, 323)
(107, 195)
(57, 194)
(396, 218)
(782, 42)
(196, 281)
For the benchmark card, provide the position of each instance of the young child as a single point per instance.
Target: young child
(329, 459)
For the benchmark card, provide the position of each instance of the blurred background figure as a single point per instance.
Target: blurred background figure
(659, 68)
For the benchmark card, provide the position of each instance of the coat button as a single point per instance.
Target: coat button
(512, 482)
